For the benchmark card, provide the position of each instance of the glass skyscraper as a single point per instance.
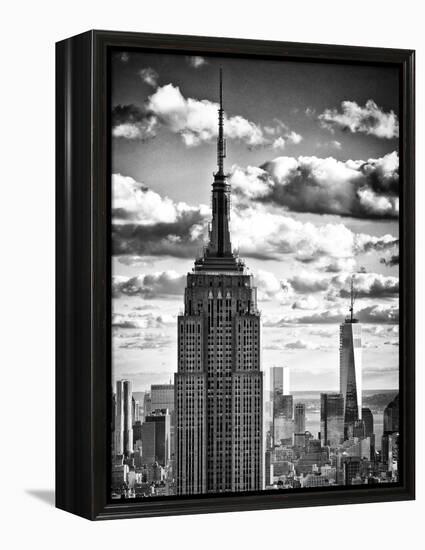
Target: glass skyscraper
(123, 434)
(350, 367)
(331, 418)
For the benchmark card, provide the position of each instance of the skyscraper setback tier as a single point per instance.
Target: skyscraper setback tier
(219, 384)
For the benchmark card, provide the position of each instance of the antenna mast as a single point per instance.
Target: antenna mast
(221, 142)
(352, 298)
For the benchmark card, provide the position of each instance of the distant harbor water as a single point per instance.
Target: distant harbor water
(312, 402)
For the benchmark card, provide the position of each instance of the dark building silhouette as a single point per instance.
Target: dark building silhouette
(367, 418)
(137, 431)
(331, 418)
(357, 429)
(219, 384)
(391, 416)
(351, 468)
(299, 418)
(155, 433)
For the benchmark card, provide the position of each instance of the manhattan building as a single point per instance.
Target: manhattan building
(299, 418)
(219, 384)
(332, 419)
(350, 367)
(282, 404)
(123, 432)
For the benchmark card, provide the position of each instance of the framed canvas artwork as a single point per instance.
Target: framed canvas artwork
(235, 282)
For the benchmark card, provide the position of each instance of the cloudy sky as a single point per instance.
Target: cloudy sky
(312, 157)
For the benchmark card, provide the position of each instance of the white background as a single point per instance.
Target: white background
(29, 30)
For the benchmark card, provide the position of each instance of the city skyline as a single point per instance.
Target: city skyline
(216, 430)
(304, 253)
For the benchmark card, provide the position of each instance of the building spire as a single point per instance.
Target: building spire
(218, 255)
(352, 297)
(221, 142)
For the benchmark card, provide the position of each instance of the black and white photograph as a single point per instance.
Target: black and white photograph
(212, 232)
(254, 275)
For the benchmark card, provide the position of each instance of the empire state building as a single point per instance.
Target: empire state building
(219, 384)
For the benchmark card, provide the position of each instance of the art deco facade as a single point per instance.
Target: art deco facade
(219, 384)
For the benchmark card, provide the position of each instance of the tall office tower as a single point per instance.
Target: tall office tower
(123, 435)
(279, 386)
(162, 397)
(147, 404)
(137, 432)
(155, 433)
(299, 418)
(367, 418)
(139, 397)
(219, 384)
(389, 448)
(391, 416)
(279, 380)
(283, 424)
(135, 409)
(331, 418)
(350, 366)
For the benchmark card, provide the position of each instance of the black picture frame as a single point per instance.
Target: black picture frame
(83, 274)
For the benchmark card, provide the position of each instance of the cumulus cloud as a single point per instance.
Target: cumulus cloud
(150, 286)
(133, 123)
(308, 281)
(135, 261)
(368, 285)
(332, 144)
(337, 264)
(367, 243)
(362, 189)
(265, 234)
(305, 284)
(148, 224)
(287, 136)
(308, 302)
(136, 320)
(375, 314)
(391, 255)
(145, 223)
(150, 76)
(193, 119)
(299, 344)
(147, 341)
(269, 287)
(196, 120)
(369, 119)
(196, 61)
(391, 261)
